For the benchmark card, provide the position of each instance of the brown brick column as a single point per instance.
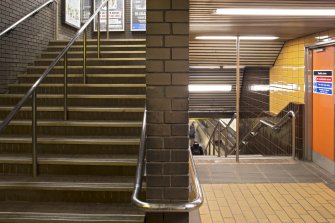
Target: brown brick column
(167, 104)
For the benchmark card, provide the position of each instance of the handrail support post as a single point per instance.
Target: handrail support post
(293, 116)
(219, 138)
(34, 135)
(99, 24)
(56, 19)
(226, 142)
(107, 20)
(65, 87)
(84, 55)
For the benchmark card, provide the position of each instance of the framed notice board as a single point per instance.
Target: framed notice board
(86, 10)
(138, 15)
(116, 16)
(73, 13)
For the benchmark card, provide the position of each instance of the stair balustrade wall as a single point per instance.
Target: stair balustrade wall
(167, 103)
(21, 46)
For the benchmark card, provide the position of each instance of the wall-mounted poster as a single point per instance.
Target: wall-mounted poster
(86, 11)
(116, 16)
(138, 15)
(73, 13)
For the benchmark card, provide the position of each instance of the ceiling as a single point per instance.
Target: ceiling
(203, 21)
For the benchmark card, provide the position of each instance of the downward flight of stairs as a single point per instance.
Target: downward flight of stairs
(86, 164)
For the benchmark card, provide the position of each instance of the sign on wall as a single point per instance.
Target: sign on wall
(116, 16)
(86, 10)
(323, 82)
(138, 15)
(73, 13)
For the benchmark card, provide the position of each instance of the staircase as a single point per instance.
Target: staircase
(86, 164)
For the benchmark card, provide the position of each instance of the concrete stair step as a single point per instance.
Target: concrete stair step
(89, 69)
(90, 78)
(123, 100)
(78, 113)
(76, 160)
(66, 145)
(88, 189)
(71, 141)
(47, 212)
(103, 47)
(66, 183)
(103, 42)
(75, 128)
(81, 88)
(94, 54)
(93, 61)
(70, 164)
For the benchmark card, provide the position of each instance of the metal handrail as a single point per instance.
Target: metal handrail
(163, 207)
(218, 127)
(34, 12)
(276, 127)
(33, 93)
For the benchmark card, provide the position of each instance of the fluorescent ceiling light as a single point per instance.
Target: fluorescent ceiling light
(235, 37)
(259, 87)
(232, 67)
(205, 67)
(209, 88)
(275, 12)
(322, 37)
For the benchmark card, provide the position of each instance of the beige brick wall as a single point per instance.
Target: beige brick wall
(167, 104)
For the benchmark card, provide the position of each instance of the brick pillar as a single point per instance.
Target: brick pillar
(167, 104)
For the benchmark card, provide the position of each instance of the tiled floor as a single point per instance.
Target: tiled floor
(266, 191)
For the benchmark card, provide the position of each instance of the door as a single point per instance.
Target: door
(323, 102)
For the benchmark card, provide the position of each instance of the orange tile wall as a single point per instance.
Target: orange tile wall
(287, 79)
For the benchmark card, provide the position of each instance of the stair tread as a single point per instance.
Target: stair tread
(79, 123)
(81, 85)
(92, 183)
(102, 45)
(76, 108)
(89, 67)
(78, 96)
(101, 52)
(79, 140)
(80, 75)
(59, 159)
(102, 40)
(80, 212)
(96, 59)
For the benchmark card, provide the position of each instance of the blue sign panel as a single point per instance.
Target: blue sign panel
(138, 15)
(323, 82)
(323, 85)
(139, 27)
(323, 91)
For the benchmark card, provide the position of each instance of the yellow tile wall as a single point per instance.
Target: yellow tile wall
(287, 79)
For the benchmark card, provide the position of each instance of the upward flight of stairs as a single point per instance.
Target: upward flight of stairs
(87, 164)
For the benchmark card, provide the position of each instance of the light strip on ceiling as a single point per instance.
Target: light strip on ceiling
(235, 37)
(275, 12)
(210, 88)
(205, 67)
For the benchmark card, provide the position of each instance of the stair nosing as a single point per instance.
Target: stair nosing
(78, 96)
(78, 109)
(102, 52)
(72, 141)
(58, 123)
(81, 85)
(73, 161)
(102, 45)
